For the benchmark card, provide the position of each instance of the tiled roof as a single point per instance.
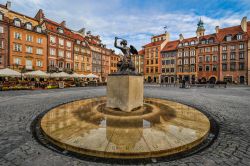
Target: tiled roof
(154, 43)
(78, 37)
(189, 39)
(52, 26)
(229, 31)
(170, 46)
(141, 52)
(159, 35)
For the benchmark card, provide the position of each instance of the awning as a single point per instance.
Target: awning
(9, 73)
(92, 76)
(37, 73)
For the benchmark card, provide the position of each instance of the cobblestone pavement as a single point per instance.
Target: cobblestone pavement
(229, 106)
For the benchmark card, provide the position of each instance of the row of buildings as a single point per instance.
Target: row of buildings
(221, 56)
(38, 43)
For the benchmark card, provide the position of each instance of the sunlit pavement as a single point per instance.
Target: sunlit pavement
(230, 107)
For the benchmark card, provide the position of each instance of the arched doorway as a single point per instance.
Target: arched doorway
(242, 79)
(166, 79)
(149, 79)
(212, 80)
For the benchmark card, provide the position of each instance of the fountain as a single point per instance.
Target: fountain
(124, 125)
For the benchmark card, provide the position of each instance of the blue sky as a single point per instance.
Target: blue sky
(137, 20)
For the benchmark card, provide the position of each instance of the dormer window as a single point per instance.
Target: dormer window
(203, 42)
(186, 43)
(60, 30)
(39, 29)
(17, 22)
(1, 16)
(28, 26)
(211, 40)
(229, 38)
(78, 42)
(239, 37)
(192, 42)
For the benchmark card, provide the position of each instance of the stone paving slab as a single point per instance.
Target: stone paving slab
(229, 106)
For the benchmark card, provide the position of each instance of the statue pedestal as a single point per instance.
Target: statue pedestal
(125, 92)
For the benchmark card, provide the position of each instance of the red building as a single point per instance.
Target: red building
(60, 44)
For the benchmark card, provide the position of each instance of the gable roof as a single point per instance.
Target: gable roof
(157, 43)
(229, 31)
(171, 46)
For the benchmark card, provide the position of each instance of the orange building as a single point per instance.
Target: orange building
(139, 61)
(114, 59)
(27, 42)
(152, 58)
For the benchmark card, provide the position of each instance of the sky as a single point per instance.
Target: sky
(137, 20)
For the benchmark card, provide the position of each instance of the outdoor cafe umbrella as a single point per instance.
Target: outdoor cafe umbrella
(60, 75)
(92, 76)
(75, 75)
(9, 73)
(82, 76)
(37, 73)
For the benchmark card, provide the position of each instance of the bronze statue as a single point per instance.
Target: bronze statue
(126, 65)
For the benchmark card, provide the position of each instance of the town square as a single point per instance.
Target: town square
(124, 82)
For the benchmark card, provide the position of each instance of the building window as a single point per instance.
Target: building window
(61, 42)
(163, 62)
(156, 61)
(39, 40)
(1, 44)
(192, 69)
(17, 61)
(224, 56)
(215, 58)
(239, 37)
(208, 58)
(214, 49)
(60, 64)
(232, 66)
(192, 61)
(172, 70)
(229, 38)
(1, 59)
(29, 38)
(207, 68)
(60, 30)
(180, 62)
(224, 48)
(180, 54)
(68, 44)
(39, 29)
(68, 65)
(241, 46)
(186, 62)
(17, 35)
(152, 61)
(60, 53)
(52, 39)
(232, 56)
(52, 51)
(241, 55)
(180, 69)
(18, 47)
(17, 22)
(224, 67)
(39, 51)
(29, 26)
(39, 63)
(214, 68)
(200, 68)
(163, 70)
(151, 70)
(29, 49)
(1, 29)
(241, 66)
(147, 70)
(207, 49)
(68, 55)
(233, 47)
(200, 58)
(28, 64)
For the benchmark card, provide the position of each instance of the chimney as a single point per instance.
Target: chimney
(8, 5)
(63, 23)
(82, 31)
(167, 36)
(40, 15)
(217, 29)
(181, 37)
(243, 24)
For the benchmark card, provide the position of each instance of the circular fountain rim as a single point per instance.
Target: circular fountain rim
(207, 142)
